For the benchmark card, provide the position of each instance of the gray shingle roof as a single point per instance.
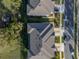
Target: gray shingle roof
(34, 3)
(28, 8)
(44, 8)
(39, 26)
(28, 28)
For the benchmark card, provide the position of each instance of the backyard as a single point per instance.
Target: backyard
(12, 45)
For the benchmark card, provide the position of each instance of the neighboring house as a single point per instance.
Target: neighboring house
(41, 39)
(69, 30)
(40, 7)
(35, 43)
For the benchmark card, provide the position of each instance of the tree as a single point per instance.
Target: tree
(10, 41)
(12, 5)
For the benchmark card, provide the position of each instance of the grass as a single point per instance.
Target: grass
(10, 42)
(62, 39)
(57, 1)
(14, 54)
(75, 41)
(57, 39)
(62, 54)
(75, 53)
(12, 5)
(39, 19)
(44, 19)
(57, 55)
(57, 19)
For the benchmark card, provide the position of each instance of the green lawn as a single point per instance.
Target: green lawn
(39, 19)
(57, 39)
(62, 54)
(62, 39)
(57, 55)
(13, 54)
(75, 41)
(11, 41)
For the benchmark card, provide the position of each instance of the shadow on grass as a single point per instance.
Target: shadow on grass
(37, 19)
(23, 33)
(24, 37)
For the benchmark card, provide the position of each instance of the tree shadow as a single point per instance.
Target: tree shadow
(23, 33)
(24, 38)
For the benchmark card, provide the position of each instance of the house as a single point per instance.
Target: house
(35, 43)
(40, 7)
(41, 40)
